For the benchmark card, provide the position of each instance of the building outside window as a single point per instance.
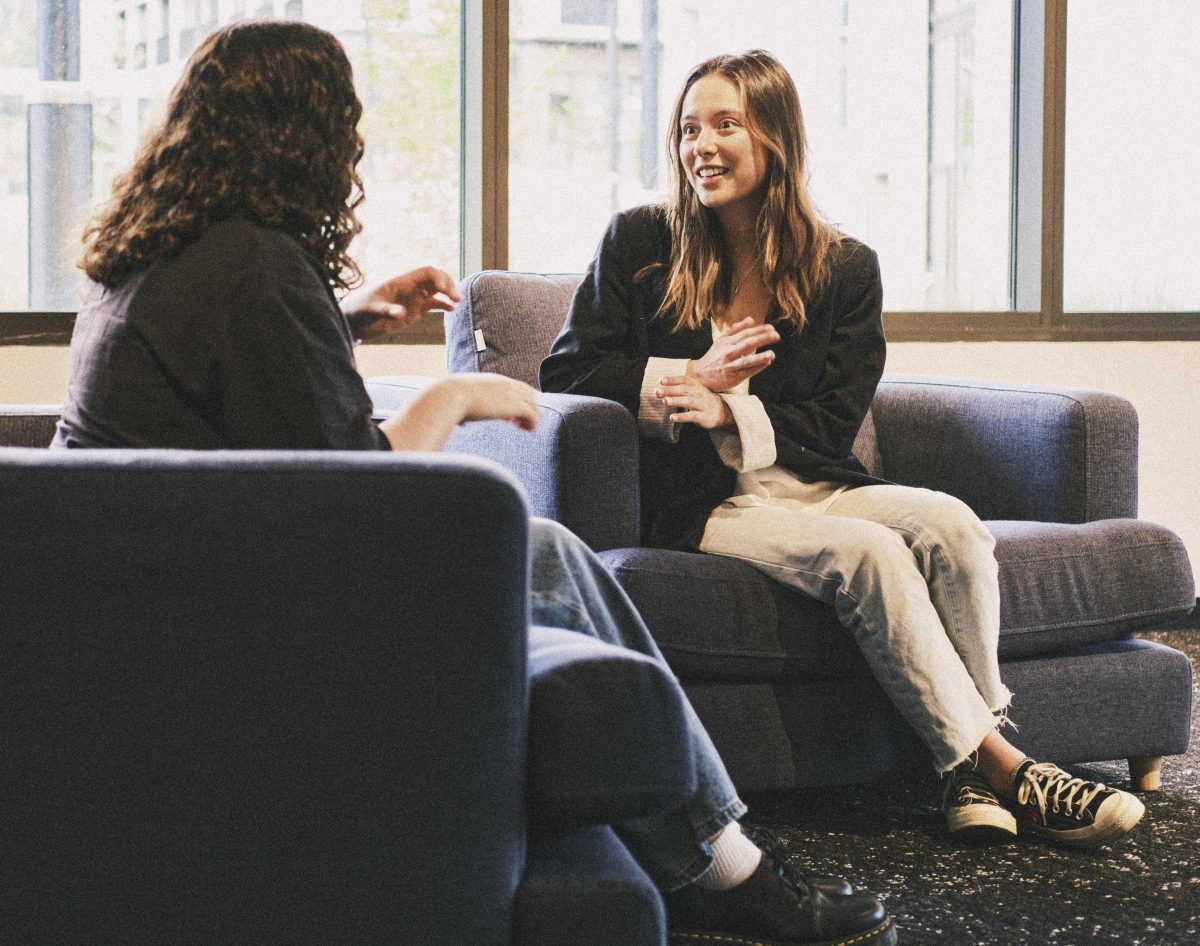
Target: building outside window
(922, 140)
(1132, 157)
(907, 103)
(77, 133)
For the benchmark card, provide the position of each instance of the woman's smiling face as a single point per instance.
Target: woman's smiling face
(723, 161)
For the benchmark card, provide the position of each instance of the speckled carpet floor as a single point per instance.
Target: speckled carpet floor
(1144, 890)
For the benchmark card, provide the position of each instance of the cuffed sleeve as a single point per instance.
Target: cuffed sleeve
(654, 417)
(750, 445)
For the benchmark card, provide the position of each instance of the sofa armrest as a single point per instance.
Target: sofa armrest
(607, 732)
(1011, 451)
(580, 467)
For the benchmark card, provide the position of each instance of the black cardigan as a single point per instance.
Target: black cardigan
(816, 392)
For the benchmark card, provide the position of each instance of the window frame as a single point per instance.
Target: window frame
(1037, 201)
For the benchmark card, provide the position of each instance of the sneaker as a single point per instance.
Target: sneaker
(971, 807)
(1071, 810)
(777, 906)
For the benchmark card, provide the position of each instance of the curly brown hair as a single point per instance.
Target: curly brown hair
(262, 125)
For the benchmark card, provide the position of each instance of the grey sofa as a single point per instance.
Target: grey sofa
(271, 697)
(782, 688)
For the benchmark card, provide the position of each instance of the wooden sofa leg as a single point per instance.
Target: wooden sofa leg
(1146, 772)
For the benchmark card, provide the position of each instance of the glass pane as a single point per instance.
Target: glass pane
(907, 104)
(1132, 157)
(78, 134)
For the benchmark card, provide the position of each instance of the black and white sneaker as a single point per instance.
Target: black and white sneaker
(971, 808)
(778, 906)
(1071, 810)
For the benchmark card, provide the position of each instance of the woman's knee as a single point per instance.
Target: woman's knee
(952, 525)
(546, 533)
(875, 550)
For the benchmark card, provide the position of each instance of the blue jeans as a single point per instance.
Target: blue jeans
(571, 589)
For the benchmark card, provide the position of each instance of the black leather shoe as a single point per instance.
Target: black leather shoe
(774, 847)
(776, 907)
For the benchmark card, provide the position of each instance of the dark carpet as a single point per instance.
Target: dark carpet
(1144, 890)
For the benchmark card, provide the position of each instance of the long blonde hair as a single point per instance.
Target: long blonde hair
(794, 242)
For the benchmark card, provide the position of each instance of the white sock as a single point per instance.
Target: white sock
(735, 858)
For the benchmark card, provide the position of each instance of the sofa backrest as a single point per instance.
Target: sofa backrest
(27, 425)
(507, 322)
(262, 696)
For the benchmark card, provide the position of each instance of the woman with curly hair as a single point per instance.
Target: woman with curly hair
(213, 323)
(212, 319)
(744, 333)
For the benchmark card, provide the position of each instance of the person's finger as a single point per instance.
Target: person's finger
(433, 280)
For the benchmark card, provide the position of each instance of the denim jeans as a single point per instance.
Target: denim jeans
(571, 589)
(912, 575)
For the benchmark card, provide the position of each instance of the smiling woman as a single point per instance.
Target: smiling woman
(745, 335)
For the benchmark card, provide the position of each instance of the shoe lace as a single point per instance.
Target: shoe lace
(969, 786)
(775, 853)
(1049, 785)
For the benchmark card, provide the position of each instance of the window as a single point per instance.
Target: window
(77, 130)
(907, 104)
(1132, 157)
(1025, 168)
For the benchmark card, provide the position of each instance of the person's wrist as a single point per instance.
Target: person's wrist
(454, 392)
(727, 418)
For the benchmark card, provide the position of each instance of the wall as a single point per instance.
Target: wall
(1162, 379)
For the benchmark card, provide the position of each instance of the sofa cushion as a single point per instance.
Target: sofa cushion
(720, 620)
(607, 736)
(507, 322)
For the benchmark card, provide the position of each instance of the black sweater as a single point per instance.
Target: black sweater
(816, 392)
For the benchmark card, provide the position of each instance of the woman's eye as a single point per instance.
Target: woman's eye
(728, 123)
(689, 129)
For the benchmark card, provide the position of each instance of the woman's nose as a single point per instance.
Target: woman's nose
(706, 142)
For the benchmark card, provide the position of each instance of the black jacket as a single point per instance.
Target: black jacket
(816, 392)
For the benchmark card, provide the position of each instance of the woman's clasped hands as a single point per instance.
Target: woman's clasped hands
(733, 358)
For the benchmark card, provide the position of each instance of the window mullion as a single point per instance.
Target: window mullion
(484, 152)
(1025, 290)
(1054, 160)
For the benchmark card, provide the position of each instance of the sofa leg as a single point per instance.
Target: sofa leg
(1146, 773)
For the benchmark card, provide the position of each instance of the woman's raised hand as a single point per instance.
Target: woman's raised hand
(735, 356)
(389, 306)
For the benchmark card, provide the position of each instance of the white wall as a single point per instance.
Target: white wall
(1162, 379)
